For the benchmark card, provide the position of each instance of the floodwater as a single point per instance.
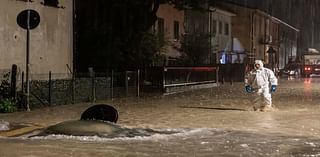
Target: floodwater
(202, 123)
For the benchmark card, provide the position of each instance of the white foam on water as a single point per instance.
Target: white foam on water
(163, 134)
(311, 144)
(4, 126)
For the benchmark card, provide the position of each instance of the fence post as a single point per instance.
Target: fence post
(23, 92)
(73, 88)
(13, 82)
(93, 89)
(22, 82)
(217, 75)
(164, 79)
(111, 85)
(138, 83)
(107, 81)
(126, 83)
(49, 95)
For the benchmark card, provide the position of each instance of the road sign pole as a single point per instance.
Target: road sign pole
(28, 60)
(28, 19)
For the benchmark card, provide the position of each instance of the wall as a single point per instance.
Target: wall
(222, 38)
(221, 41)
(208, 24)
(258, 31)
(242, 27)
(51, 46)
(171, 14)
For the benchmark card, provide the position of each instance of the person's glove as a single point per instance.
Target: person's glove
(248, 89)
(273, 88)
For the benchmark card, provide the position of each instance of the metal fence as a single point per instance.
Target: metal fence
(171, 79)
(58, 89)
(83, 88)
(64, 88)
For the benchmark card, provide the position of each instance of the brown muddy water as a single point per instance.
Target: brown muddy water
(202, 123)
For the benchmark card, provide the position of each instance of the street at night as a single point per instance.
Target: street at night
(210, 122)
(159, 78)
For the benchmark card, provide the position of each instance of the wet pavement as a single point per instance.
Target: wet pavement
(210, 122)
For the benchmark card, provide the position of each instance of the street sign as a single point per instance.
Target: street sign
(28, 19)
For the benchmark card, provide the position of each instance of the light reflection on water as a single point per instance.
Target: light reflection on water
(307, 89)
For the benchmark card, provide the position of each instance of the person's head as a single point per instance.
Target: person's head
(258, 64)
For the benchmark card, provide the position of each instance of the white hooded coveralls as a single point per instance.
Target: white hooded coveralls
(260, 81)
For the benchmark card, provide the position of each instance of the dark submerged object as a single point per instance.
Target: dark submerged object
(99, 128)
(82, 128)
(98, 120)
(101, 112)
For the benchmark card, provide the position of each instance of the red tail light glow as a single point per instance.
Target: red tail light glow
(307, 68)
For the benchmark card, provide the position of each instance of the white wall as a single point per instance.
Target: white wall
(51, 46)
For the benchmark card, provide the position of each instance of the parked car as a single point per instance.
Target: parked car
(291, 69)
(311, 64)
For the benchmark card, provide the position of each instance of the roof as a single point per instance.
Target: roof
(222, 11)
(258, 11)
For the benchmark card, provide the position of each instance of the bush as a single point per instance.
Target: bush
(7, 105)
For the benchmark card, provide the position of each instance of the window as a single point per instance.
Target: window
(226, 29)
(160, 26)
(214, 27)
(176, 30)
(220, 27)
(52, 3)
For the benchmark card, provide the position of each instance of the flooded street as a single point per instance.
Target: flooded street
(218, 121)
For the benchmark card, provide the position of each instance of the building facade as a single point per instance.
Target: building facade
(263, 36)
(209, 31)
(50, 44)
(170, 24)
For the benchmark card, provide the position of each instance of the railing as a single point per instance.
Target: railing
(176, 79)
(182, 76)
(58, 89)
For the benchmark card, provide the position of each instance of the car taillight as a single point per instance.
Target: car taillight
(307, 68)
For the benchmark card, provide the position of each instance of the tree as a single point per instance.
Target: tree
(110, 33)
(196, 46)
(113, 34)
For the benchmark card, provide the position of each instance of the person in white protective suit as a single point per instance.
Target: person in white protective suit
(261, 82)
